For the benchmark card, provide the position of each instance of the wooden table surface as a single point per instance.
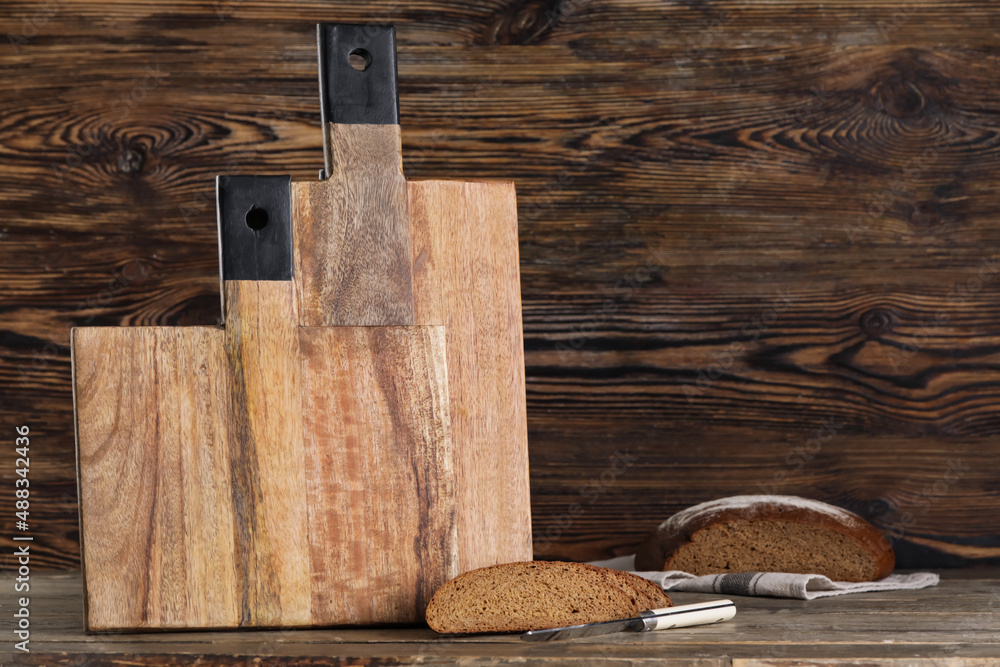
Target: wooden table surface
(954, 624)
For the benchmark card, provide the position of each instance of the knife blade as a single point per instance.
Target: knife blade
(700, 613)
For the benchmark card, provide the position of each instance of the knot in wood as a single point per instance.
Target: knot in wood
(900, 97)
(925, 214)
(524, 22)
(130, 161)
(876, 322)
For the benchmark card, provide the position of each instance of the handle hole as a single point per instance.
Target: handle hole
(360, 59)
(256, 218)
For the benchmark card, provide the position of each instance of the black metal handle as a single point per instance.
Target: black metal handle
(255, 227)
(357, 74)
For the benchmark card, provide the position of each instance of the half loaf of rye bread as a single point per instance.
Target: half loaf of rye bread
(515, 597)
(767, 533)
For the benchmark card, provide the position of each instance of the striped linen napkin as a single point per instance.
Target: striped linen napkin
(771, 584)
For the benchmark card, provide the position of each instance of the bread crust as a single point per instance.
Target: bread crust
(656, 552)
(442, 611)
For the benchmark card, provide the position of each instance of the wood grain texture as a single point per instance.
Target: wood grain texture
(351, 233)
(268, 454)
(154, 472)
(266, 474)
(950, 625)
(381, 471)
(465, 276)
(863, 662)
(677, 165)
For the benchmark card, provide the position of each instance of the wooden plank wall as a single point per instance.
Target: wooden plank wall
(757, 240)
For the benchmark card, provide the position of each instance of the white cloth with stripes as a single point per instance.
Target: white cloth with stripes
(771, 584)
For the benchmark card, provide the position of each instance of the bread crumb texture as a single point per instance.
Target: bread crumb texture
(534, 595)
(774, 546)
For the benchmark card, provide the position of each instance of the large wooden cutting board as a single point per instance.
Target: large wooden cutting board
(351, 439)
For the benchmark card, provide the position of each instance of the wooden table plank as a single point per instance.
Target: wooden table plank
(952, 625)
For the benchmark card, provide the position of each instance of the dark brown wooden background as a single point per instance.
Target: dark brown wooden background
(703, 292)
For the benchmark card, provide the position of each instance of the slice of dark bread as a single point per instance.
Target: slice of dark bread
(515, 597)
(768, 534)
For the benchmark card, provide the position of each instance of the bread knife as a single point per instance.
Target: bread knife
(701, 613)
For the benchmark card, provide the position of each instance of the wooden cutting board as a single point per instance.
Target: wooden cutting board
(355, 435)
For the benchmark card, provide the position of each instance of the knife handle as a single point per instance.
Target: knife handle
(700, 613)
